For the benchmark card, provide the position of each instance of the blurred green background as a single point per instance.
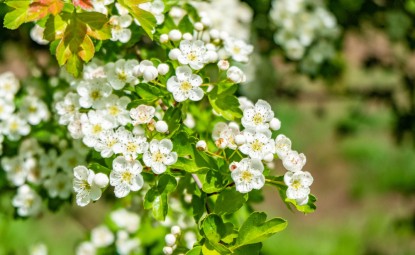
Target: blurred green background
(355, 121)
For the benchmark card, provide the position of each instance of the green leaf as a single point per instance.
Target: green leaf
(54, 28)
(99, 168)
(250, 249)
(255, 229)
(230, 233)
(166, 184)
(213, 228)
(195, 251)
(97, 25)
(146, 19)
(183, 143)
(173, 117)
(148, 92)
(307, 208)
(186, 25)
(213, 182)
(18, 16)
(160, 207)
(229, 201)
(225, 104)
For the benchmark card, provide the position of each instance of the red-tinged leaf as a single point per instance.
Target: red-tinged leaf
(87, 49)
(39, 9)
(84, 4)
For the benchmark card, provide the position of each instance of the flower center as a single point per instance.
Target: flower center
(131, 147)
(14, 126)
(32, 109)
(186, 86)
(114, 110)
(191, 56)
(122, 76)
(236, 50)
(95, 94)
(246, 176)
(158, 157)
(127, 177)
(296, 184)
(256, 145)
(257, 119)
(96, 129)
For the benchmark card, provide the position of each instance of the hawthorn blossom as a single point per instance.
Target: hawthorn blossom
(298, 185)
(106, 142)
(7, 108)
(93, 93)
(101, 236)
(36, 33)
(14, 127)
(235, 74)
(156, 7)
(238, 49)
(67, 108)
(192, 53)
(282, 146)
(27, 201)
(121, 72)
(185, 85)
(101, 5)
(160, 155)
(84, 186)
(293, 161)
(86, 248)
(224, 135)
(142, 114)
(126, 245)
(125, 220)
(119, 28)
(130, 145)
(126, 176)
(258, 145)
(247, 175)
(9, 85)
(116, 108)
(93, 124)
(59, 185)
(48, 163)
(34, 110)
(258, 117)
(16, 170)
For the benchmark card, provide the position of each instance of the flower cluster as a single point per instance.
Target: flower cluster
(305, 30)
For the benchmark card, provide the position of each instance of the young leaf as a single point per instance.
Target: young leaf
(213, 228)
(18, 16)
(229, 201)
(145, 18)
(255, 229)
(84, 4)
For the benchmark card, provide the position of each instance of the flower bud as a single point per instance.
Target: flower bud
(235, 74)
(167, 250)
(214, 34)
(170, 239)
(164, 38)
(175, 35)
(201, 145)
(199, 26)
(101, 180)
(188, 36)
(163, 68)
(175, 230)
(211, 56)
(161, 126)
(275, 124)
(240, 139)
(233, 166)
(223, 64)
(150, 73)
(174, 54)
(269, 157)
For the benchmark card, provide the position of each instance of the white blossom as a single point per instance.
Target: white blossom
(126, 245)
(9, 85)
(185, 85)
(224, 135)
(16, 170)
(125, 220)
(121, 72)
(235, 74)
(36, 33)
(67, 108)
(126, 176)
(27, 201)
(86, 248)
(293, 161)
(258, 117)
(14, 127)
(119, 28)
(160, 155)
(59, 185)
(192, 53)
(93, 125)
(238, 49)
(282, 146)
(34, 110)
(101, 5)
(116, 108)
(248, 175)
(142, 114)
(84, 186)
(258, 145)
(101, 236)
(7, 108)
(298, 184)
(93, 93)
(130, 145)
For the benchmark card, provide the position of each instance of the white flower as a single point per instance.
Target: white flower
(298, 184)
(100, 5)
(116, 108)
(36, 33)
(93, 93)
(294, 49)
(163, 69)
(258, 145)
(142, 114)
(248, 175)
(245, 103)
(70, 158)
(27, 201)
(34, 174)
(14, 127)
(119, 28)
(160, 155)
(106, 142)
(121, 72)
(16, 170)
(126, 245)
(101, 180)
(192, 53)
(130, 145)
(126, 176)
(224, 135)
(9, 85)
(257, 117)
(67, 108)
(238, 49)
(282, 146)
(39, 249)
(125, 220)
(101, 236)
(94, 70)
(84, 186)
(156, 7)
(93, 125)
(235, 74)
(293, 161)
(86, 248)
(59, 185)
(34, 110)
(6, 108)
(223, 64)
(75, 127)
(185, 85)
